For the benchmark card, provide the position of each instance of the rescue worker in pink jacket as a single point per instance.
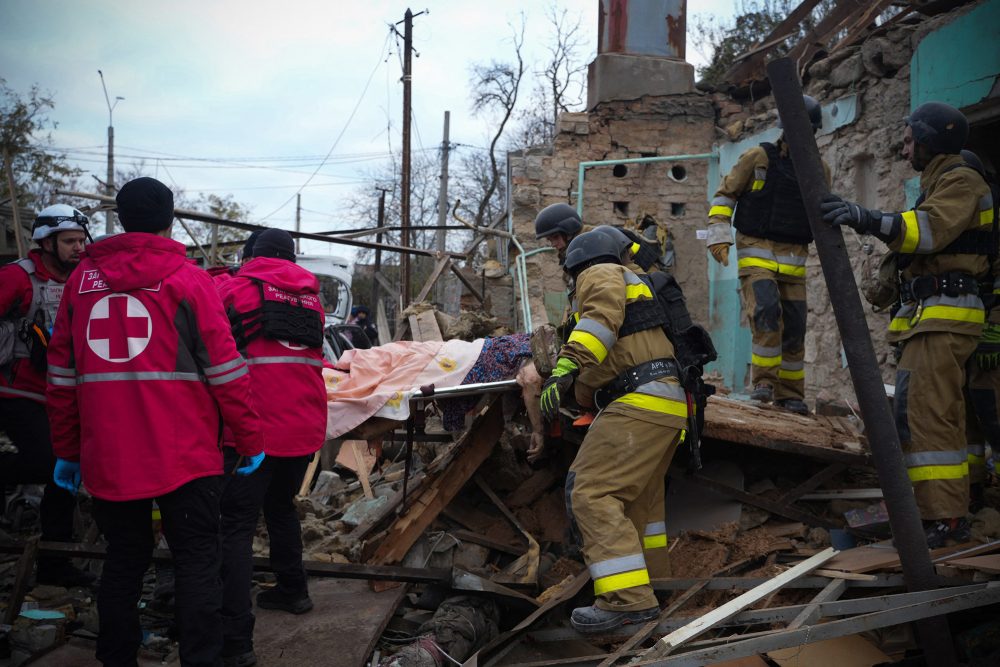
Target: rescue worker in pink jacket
(277, 318)
(141, 364)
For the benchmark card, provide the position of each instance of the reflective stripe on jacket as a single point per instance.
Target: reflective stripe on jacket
(954, 201)
(286, 378)
(141, 364)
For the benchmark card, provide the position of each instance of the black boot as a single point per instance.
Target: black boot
(293, 603)
(939, 532)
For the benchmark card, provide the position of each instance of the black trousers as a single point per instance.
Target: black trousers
(190, 517)
(272, 487)
(27, 425)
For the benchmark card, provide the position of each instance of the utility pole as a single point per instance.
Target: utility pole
(443, 203)
(298, 222)
(109, 216)
(404, 207)
(378, 251)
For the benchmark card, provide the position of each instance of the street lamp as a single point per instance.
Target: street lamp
(109, 217)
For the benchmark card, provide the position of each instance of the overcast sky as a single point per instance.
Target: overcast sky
(248, 97)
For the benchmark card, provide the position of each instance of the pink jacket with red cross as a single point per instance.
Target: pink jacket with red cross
(287, 378)
(142, 363)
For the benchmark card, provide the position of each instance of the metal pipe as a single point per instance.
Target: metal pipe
(250, 227)
(918, 572)
(583, 166)
(474, 389)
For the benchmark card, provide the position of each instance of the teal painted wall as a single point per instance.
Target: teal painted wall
(957, 63)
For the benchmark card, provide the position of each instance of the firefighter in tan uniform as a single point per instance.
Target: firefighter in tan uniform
(943, 256)
(982, 423)
(772, 244)
(618, 347)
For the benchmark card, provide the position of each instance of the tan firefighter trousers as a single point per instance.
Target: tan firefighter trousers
(775, 308)
(930, 417)
(615, 491)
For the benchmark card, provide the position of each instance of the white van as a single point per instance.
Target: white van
(334, 275)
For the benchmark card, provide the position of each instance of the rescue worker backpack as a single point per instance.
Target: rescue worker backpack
(293, 318)
(28, 337)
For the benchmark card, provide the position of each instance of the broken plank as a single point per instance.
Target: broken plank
(440, 487)
(503, 640)
(310, 473)
(989, 564)
(810, 614)
(650, 627)
(679, 637)
(22, 575)
(528, 561)
(883, 556)
(773, 506)
(442, 265)
(770, 428)
(826, 474)
(482, 540)
(468, 284)
(424, 327)
(313, 568)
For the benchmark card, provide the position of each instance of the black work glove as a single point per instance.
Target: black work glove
(648, 252)
(837, 211)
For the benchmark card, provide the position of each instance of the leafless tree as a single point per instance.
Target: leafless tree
(495, 87)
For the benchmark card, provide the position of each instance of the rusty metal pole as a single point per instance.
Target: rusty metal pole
(404, 205)
(880, 428)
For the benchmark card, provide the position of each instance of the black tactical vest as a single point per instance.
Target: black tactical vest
(775, 212)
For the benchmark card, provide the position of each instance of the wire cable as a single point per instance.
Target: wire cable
(336, 141)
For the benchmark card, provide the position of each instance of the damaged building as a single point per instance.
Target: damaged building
(430, 543)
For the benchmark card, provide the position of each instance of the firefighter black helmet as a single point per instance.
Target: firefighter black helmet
(617, 235)
(939, 126)
(591, 248)
(813, 109)
(557, 219)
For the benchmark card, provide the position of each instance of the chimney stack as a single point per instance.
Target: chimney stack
(640, 51)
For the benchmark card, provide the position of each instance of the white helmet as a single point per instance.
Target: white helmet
(58, 218)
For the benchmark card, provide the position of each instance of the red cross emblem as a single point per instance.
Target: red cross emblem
(119, 328)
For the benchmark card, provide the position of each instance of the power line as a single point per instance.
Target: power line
(342, 131)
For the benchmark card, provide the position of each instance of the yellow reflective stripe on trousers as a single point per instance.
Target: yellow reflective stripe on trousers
(655, 404)
(591, 342)
(955, 313)
(772, 265)
(975, 460)
(617, 582)
(655, 535)
(928, 473)
(786, 374)
(724, 211)
(765, 362)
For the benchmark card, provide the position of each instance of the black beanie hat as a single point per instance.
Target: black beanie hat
(275, 243)
(251, 240)
(145, 205)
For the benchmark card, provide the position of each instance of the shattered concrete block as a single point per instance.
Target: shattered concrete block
(848, 73)
(361, 509)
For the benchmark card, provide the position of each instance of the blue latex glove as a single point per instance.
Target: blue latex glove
(67, 475)
(251, 466)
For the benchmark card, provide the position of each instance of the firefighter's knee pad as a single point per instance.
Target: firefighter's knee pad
(767, 306)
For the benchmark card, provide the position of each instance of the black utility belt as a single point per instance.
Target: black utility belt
(953, 283)
(633, 378)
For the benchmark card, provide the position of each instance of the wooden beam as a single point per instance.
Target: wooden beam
(22, 575)
(746, 65)
(811, 613)
(650, 627)
(442, 264)
(439, 488)
(685, 634)
(313, 568)
(773, 506)
(528, 561)
(824, 475)
(468, 285)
